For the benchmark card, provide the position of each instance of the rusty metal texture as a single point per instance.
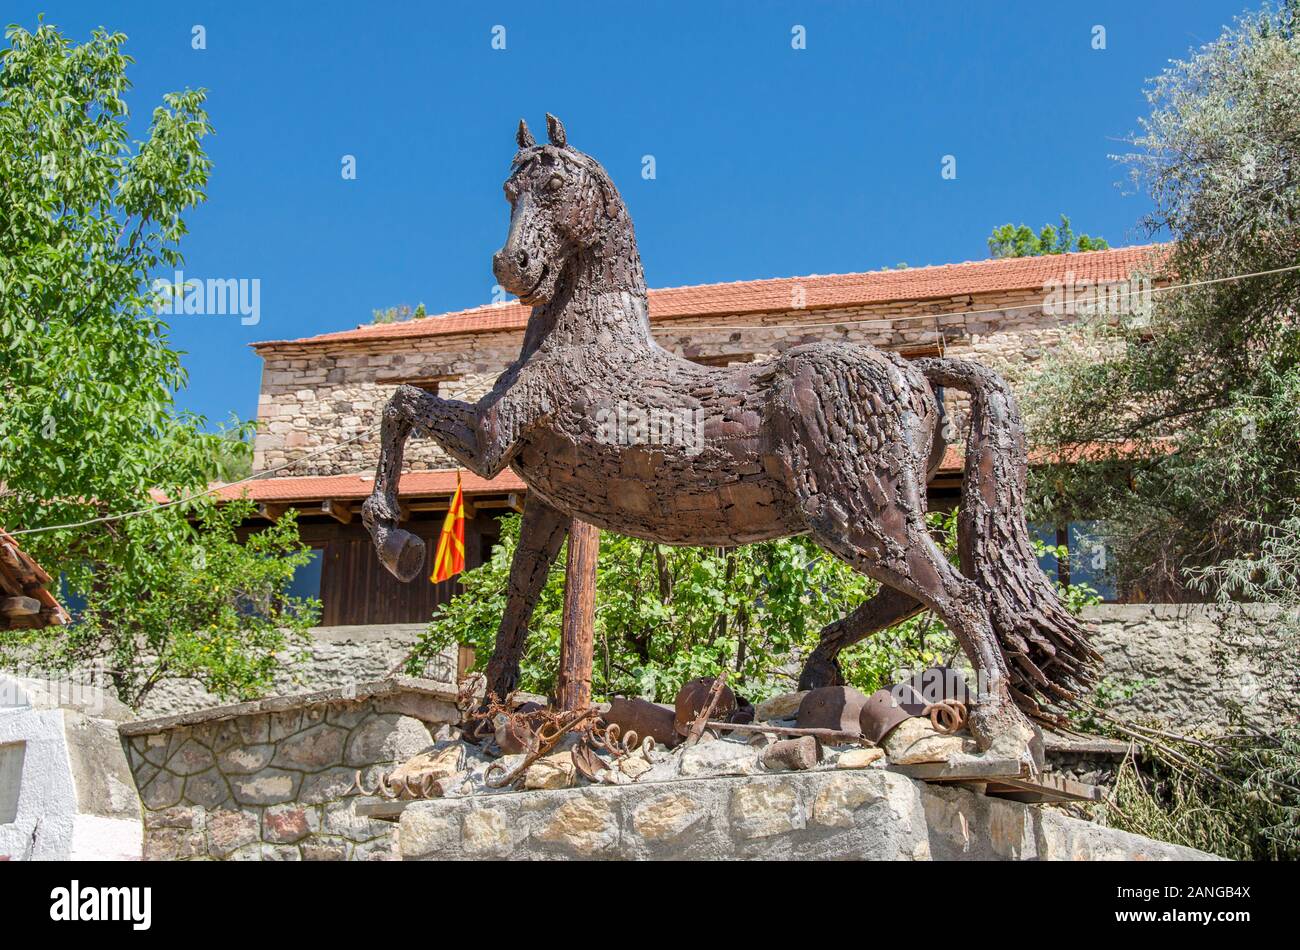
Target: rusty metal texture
(939, 683)
(831, 707)
(644, 718)
(693, 699)
(886, 708)
(832, 440)
(794, 754)
(883, 711)
(515, 732)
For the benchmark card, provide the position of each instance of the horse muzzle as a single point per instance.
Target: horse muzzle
(526, 277)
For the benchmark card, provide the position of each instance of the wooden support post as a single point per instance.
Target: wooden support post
(578, 626)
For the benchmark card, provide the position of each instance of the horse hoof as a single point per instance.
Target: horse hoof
(1002, 731)
(402, 553)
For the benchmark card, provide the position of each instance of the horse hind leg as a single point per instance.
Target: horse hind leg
(887, 608)
(923, 574)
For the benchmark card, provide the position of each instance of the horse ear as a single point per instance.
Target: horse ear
(523, 136)
(555, 131)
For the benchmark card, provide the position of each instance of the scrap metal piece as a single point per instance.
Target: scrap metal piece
(832, 707)
(831, 736)
(644, 718)
(694, 697)
(515, 732)
(587, 762)
(553, 728)
(886, 708)
(797, 754)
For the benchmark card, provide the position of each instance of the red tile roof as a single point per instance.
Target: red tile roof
(768, 296)
(302, 488)
(289, 489)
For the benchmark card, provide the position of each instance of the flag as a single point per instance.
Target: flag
(450, 557)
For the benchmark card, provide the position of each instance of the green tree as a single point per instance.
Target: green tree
(1021, 241)
(1203, 390)
(88, 425)
(399, 314)
(666, 614)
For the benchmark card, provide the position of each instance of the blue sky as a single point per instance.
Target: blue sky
(769, 161)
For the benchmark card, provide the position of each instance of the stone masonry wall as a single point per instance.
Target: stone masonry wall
(337, 656)
(1170, 644)
(1175, 650)
(274, 780)
(317, 395)
(865, 814)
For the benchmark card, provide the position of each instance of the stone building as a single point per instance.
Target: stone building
(330, 388)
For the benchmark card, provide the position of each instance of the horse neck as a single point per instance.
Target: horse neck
(600, 301)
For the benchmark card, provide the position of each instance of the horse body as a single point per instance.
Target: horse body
(830, 439)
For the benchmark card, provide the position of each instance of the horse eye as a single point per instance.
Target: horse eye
(555, 184)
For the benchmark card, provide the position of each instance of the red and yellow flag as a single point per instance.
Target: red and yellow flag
(449, 560)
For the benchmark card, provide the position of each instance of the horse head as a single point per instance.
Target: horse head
(563, 204)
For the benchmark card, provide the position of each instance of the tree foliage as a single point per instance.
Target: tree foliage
(1021, 241)
(88, 425)
(1203, 390)
(399, 314)
(667, 614)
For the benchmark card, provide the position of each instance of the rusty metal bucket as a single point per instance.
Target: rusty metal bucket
(644, 718)
(886, 708)
(832, 707)
(694, 696)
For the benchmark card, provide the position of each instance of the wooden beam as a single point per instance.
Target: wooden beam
(515, 501)
(464, 661)
(577, 626)
(9, 557)
(272, 512)
(19, 607)
(340, 511)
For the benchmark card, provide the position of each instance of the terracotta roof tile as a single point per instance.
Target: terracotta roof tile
(822, 292)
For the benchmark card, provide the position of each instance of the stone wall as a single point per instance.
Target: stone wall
(66, 792)
(338, 656)
(1178, 648)
(320, 394)
(275, 779)
(1171, 644)
(867, 814)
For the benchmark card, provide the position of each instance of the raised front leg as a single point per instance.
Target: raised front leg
(481, 437)
(541, 534)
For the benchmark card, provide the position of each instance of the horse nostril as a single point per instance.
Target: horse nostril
(522, 257)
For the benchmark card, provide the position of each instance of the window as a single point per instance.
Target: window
(1087, 557)
(306, 579)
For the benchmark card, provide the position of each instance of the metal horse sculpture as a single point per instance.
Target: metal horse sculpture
(833, 440)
